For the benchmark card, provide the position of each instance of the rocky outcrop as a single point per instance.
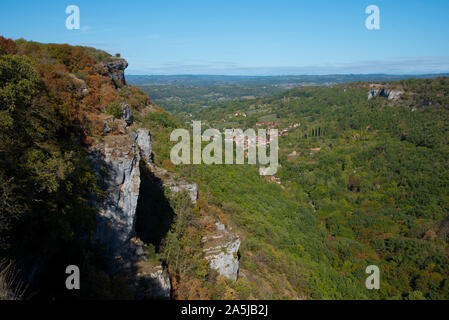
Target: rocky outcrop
(183, 186)
(152, 283)
(175, 184)
(116, 163)
(112, 125)
(116, 69)
(221, 249)
(127, 115)
(118, 160)
(143, 141)
(385, 93)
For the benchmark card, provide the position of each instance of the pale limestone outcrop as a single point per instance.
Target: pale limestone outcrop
(385, 93)
(221, 250)
(143, 141)
(116, 163)
(184, 186)
(152, 283)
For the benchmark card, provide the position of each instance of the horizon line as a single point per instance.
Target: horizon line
(289, 75)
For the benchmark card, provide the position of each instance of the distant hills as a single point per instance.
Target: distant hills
(185, 93)
(285, 82)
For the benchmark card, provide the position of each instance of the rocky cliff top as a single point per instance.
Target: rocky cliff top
(114, 67)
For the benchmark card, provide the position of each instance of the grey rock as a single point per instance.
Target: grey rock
(107, 124)
(127, 115)
(122, 125)
(154, 284)
(139, 251)
(123, 185)
(372, 94)
(116, 69)
(178, 187)
(385, 93)
(143, 141)
(221, 249)
(116, 164)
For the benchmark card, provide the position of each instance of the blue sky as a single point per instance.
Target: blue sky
(246, 37)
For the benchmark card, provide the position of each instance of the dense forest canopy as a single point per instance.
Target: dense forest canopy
(363, 182)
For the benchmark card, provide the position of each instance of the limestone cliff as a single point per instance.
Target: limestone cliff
(385, 93)
(122, 159)
(116, 162)
(221, 248)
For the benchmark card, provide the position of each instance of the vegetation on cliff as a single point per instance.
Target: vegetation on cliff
(52, 100)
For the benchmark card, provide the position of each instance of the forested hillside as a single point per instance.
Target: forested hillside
(53, 99)
(188, 94)
(364, 180)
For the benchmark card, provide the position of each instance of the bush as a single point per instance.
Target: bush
(114, 109)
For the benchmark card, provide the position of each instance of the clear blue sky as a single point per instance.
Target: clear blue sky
(255, 37)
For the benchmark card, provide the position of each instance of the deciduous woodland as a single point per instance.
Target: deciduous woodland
(363, 180)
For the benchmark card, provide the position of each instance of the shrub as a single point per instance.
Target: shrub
(114, 109)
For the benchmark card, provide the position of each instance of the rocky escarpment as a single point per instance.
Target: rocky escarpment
(142, 138)
(115, 69)
(385, 93)
(123, 163)
(183, 186)
(116, 162)
(221, 248)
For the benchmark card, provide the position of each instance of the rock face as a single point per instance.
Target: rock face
(117, 160)
(116, 69)
(127, 115)
(385, 93)
(112, 125)
(143, 141)
(190, 188)
(153, 283)
(116, 163)
(221, 250)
